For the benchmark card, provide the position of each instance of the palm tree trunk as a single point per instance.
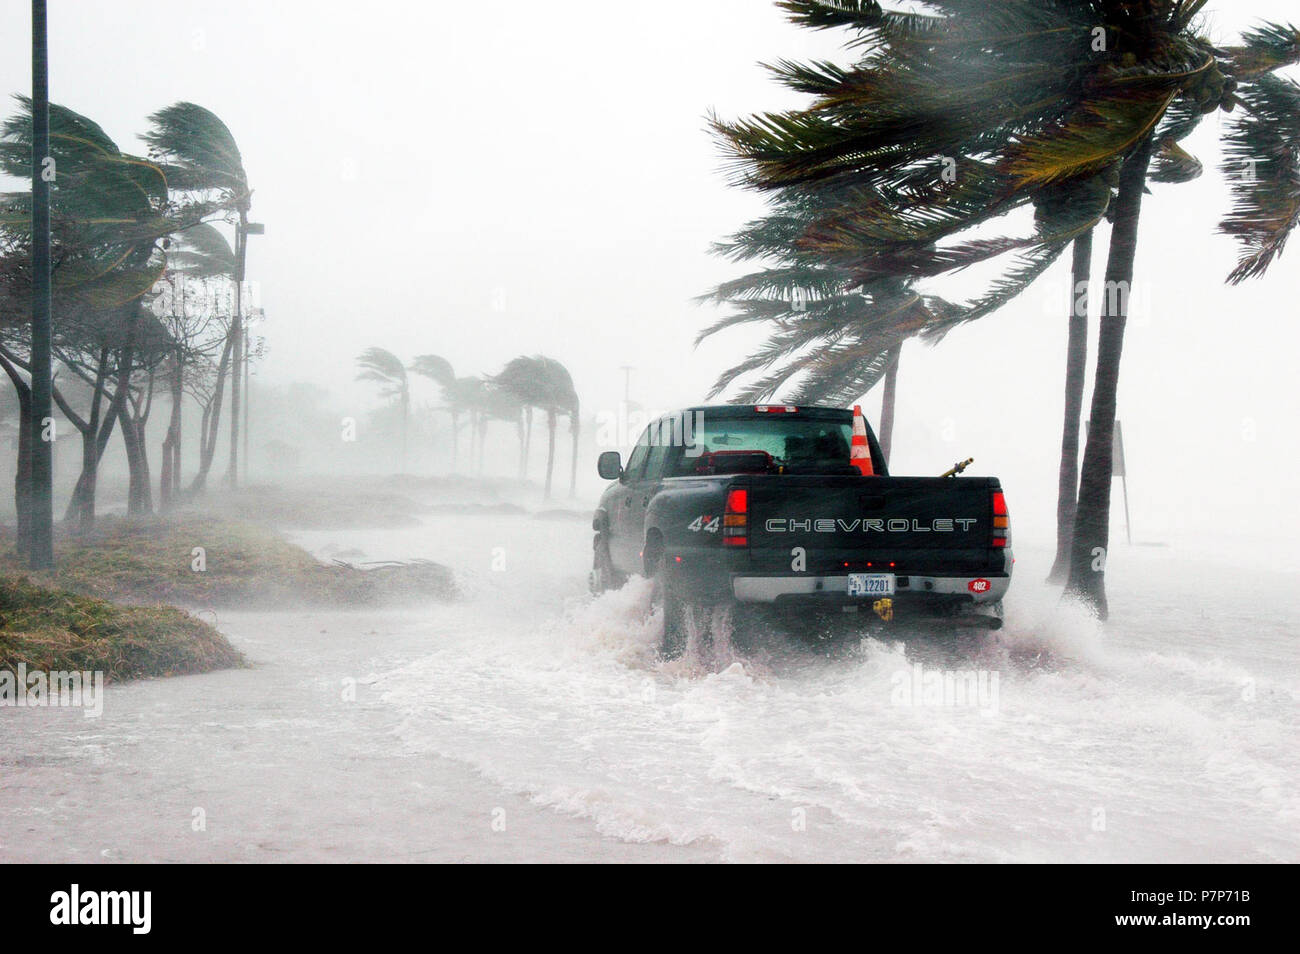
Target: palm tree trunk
(528, 443)
(406, 414)
(550, 448)
(455, 439)
(1076, 368)
(1089, 548)
(574, 423)
(886, 435)
(482, 438)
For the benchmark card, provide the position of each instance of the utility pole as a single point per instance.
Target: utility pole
(238, 395)
(237, 355)
(43, 171)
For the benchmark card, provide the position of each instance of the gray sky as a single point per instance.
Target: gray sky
(482, 181)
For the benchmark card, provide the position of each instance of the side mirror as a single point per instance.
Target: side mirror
(609, 465)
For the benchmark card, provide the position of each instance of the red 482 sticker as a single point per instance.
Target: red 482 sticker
(978, 586)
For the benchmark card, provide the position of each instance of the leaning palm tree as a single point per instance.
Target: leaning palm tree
(834, 337)
(522, 377)
(544, 383)
(468, 396)
(439, 370)
(1013, 101)
(201, 158)
(386, 369)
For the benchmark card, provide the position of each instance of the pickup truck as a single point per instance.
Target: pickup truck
(762, 504)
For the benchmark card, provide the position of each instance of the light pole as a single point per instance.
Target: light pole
(243, 229)
(42, 462)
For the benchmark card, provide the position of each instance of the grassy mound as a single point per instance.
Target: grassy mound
(210, 562)
(52, 629)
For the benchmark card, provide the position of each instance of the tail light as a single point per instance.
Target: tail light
(735, 521)
(1001, 520)
(775, 409)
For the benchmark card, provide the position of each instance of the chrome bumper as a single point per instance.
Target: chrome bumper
(768, 589)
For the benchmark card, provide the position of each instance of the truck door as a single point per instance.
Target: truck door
(649, 484)
(625, 527)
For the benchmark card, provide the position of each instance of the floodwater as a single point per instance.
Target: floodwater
(529, 721)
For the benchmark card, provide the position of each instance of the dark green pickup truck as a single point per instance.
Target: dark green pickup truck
(761, 504)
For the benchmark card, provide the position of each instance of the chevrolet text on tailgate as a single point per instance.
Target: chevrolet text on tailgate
(794, 508)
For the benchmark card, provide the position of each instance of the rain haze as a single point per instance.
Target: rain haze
(481, 185)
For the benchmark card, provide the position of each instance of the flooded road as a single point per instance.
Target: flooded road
(530, 722)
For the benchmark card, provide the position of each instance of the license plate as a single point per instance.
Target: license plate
(871, 584)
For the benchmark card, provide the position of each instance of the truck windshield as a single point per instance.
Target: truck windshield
(769, 443)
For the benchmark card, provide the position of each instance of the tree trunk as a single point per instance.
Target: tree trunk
(455, 439)
(406, 414)
(574, 424)
(212, 420)
(528, 442)
(23, 489)
(139, 498)
(482, 438)
(168, 478)
(135, 419)
(1089, 548)
(1076, 368)
(23, 471)
(94, 440)
(550, 448)
(886, 435)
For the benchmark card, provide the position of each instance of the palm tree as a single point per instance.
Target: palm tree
(544, 383)
(387, 370)
(200, 157)
(439, 370)
(837, 336)
(1014, 102)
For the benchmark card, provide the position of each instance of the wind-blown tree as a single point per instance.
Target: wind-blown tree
(468, 396)
(109, 212)
(386, 369)
(837, 337)
(201, 159)
(544, 383)
(439, 370)
(1013, 100)
(201, 264)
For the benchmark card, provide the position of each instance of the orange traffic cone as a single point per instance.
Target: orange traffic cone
(860, 453)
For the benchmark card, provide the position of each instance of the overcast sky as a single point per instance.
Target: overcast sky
(485, 180)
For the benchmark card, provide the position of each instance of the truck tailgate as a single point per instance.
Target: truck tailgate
(924, 525)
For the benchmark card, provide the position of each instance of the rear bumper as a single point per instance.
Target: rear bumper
(823, 589)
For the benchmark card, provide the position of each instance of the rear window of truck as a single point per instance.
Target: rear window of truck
(772, 443)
